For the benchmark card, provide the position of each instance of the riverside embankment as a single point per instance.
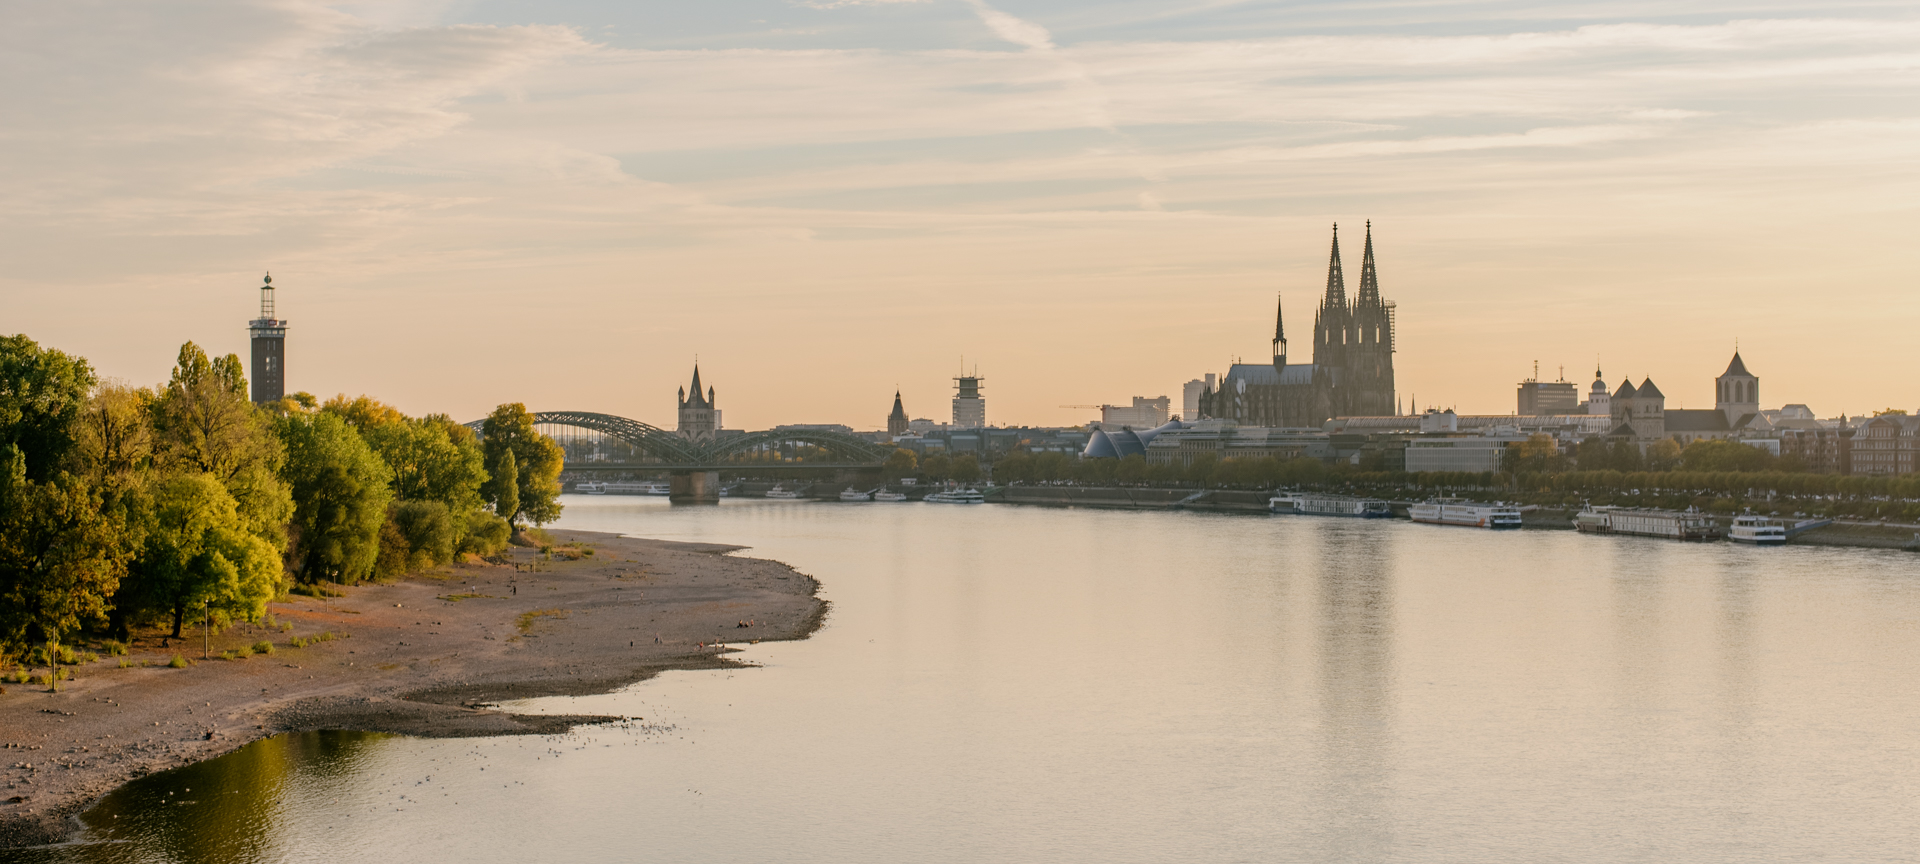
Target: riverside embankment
(425, 656)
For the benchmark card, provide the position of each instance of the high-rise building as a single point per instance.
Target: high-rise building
(969, 407)
(897, 421)
(269, 349)
(698, 417)
(1539, 398)
(1190, 396)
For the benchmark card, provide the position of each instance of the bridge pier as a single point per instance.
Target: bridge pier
(694, 487)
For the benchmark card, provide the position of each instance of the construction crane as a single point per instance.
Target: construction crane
(1083, 406)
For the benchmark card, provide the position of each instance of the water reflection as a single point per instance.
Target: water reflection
(1008, 684)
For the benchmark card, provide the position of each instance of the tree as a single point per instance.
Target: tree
(41, 393)
(1132, 469)
(1664, 455)
(112, 434)
(1051, 466)
(434, 459)
(199, 553)
(900, 463)
(537, 462)
(1705, 455)
(61, 555)
(964, 468)
(504, 489)
(340, 496)
(362, 412)
(203, 423)
(1015, 467)
(936, 466)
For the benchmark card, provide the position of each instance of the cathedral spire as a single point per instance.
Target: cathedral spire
(1336, 280)
(1369, 281)
(1279, 335)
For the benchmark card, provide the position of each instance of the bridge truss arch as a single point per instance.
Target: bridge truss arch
(773, 448)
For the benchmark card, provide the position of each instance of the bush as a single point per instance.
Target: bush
(297, 642)
(263, 647)
(178, 662)
(126, 664)
(487, 534)
(117, 649)
(286, 627)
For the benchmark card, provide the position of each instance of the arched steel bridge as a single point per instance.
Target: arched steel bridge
(661, 450)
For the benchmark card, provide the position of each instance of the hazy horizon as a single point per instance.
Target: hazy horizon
(564, 203)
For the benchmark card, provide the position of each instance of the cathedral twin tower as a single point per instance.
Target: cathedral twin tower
(1352, 370)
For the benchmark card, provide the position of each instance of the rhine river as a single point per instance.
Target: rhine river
(1018, 684)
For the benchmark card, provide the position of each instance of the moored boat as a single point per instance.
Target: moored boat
(1670, 524)
(1760, 530)
(884, 495)
(956, 496)
(852, 494)
(588, 487)
(635, 488)
(1454, 511)
(1310, 504)
(782, 492)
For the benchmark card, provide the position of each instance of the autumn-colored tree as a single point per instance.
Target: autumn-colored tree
(537, 461)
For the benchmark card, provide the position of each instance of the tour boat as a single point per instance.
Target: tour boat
(956, 496)
(1328, 505)
(635, 488)
(1453, 511)
(1671, 524)
(781, 492)
(884, 495)
(852, 494)
(1757, 529)
(589, 487)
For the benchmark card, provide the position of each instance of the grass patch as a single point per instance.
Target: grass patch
(527, 619)
(455, 598)
(318, 590)
(117, 649)
(126, 664)
(263, 647)
(178, 662)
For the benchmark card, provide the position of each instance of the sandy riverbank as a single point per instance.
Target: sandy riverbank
(423, 656)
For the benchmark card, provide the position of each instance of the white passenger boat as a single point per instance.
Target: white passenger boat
(1757, 529)
(956, 496)
(1311, 504)
(1671, 524)
(1454, 511)
(635, 488)
(782, 492)
(588, 487)
(884, 495)
(852, 494)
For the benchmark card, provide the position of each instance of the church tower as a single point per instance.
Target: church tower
(897, 421)
(269, 350)
(1369, 362)
(1332, 322)
(1280, 336)
(1736, 391)
(698, 417)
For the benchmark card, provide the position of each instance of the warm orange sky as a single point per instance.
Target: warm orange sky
(564, 203)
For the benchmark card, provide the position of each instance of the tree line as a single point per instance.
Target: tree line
(125, 507)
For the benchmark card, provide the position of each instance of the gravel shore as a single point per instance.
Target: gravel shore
(424, 656)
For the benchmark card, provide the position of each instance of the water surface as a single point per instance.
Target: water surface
(1001, 683)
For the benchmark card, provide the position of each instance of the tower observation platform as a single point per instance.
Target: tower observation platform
(269, 337)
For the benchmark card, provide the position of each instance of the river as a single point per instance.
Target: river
(1022, 684)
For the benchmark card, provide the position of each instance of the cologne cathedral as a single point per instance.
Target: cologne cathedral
(1352, 370)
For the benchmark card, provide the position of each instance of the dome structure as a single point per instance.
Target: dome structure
(1124, 442)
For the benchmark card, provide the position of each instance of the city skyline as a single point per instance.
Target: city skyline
(1012, 182)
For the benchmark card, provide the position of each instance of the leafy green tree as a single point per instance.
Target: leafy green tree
(61, 555)
(964, 468)
(42, 391)
(504, 489)
(1016, 467)
(417, 535)
(340, 495)
(537, 462)
(434, 459)
(1707, 455)
(900, 463)
(200, 554)
(1663, 455)
(204, 423)
(363, 412)
(1051, 466)
(1131, 470)
(936, 466)
(113, 434)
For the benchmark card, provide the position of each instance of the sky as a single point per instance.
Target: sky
(565, 203)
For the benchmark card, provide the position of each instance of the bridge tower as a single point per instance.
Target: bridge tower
(269, 349)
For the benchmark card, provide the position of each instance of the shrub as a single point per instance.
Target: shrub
(117, 649)
(286, 627)
(229, 655)
(89, 657)
(126, 664)
(486, 534)
(66, 655)
(178, 662)
(296, 642)
(263, 647)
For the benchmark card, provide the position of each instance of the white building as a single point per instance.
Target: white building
(1144, 413)
(1190, 396)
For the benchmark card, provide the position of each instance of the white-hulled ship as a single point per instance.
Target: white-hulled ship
(1453, 511)
(1308, 504)
(633, 488)
(1671, 524)
(884, 495)
(956, 496)
(1757, 529)
(588, 487)
(782, 492)
(852, 494)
